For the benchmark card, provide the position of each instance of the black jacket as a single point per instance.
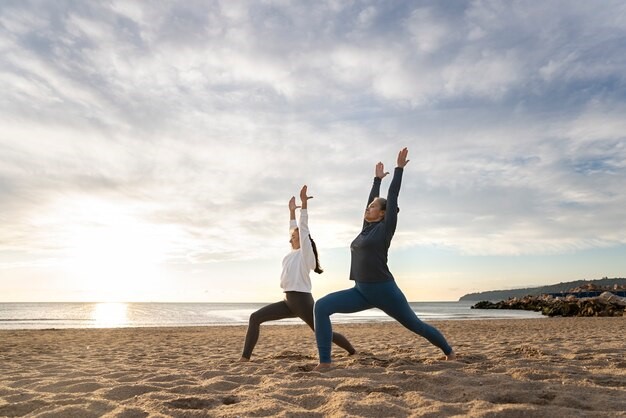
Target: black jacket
(369, 249)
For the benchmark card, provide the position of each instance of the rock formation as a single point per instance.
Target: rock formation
(607, 304)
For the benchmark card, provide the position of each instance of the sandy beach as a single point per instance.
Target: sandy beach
(533, 368)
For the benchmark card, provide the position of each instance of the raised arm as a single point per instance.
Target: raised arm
(375, 191)
(292, 214)
(391, 213)
(305, 243)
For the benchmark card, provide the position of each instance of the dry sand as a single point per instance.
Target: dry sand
(549, 367)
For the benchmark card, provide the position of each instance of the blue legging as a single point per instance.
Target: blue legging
(385, 296)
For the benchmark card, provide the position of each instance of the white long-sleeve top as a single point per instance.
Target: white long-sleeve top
(298, 263)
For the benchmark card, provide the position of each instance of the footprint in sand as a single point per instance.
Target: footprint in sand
(222, 385)
(191, 403)
(19, 409)
(121, 393)
(609, 381)
(243, 380)
(523, 398)
(292, 355)
(374, 361)
(72, 386)
(199, 403)
(19, 397)
(132, 413)
(359, 388)
(166, 378)
(305, 367)
(211, 373)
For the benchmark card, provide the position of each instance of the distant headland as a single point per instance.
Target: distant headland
(606, 297)
(613, 284)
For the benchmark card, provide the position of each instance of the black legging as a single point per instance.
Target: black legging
(295, 304)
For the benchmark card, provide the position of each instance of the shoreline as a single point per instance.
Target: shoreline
(280, 323)
(529, 367)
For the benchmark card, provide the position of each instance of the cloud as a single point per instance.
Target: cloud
(209, 115)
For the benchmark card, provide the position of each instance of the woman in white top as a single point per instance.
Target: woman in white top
(295, 282)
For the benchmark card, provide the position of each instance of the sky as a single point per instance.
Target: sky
(148, 150)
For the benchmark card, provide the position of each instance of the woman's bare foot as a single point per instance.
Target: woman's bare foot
(244, 360)
(322, 367)
(451, 356)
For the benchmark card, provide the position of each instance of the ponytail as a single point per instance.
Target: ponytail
(383, 204)
(318, 268)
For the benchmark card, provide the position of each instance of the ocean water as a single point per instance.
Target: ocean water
(115, 315)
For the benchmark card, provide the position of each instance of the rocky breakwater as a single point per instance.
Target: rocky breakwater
(607, 304)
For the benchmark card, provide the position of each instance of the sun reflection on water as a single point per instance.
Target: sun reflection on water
(109, 315)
